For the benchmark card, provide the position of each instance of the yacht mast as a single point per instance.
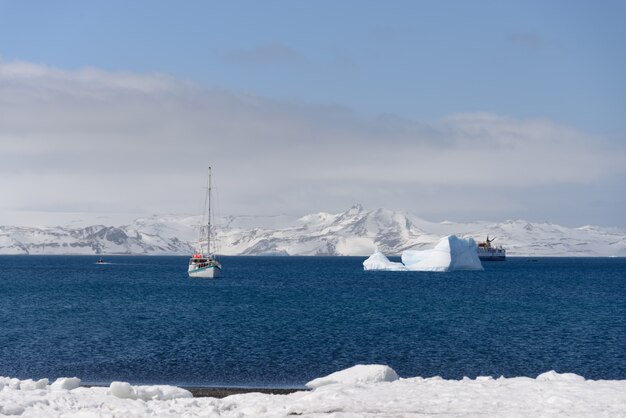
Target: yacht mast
(208, 233)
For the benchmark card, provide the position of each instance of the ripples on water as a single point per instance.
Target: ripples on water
(281, 321)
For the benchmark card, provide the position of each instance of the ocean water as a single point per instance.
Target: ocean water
(281, 321)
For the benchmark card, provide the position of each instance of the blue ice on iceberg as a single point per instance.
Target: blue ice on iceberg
(450, 254)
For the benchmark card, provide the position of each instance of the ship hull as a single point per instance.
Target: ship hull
(492, 254)
(492, 257)
(210, 272)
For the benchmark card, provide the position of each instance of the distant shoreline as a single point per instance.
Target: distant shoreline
(292, 256)
(222, 392)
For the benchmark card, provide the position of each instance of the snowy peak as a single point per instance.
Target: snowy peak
(355, 231)
(96, 239)
(355, 209)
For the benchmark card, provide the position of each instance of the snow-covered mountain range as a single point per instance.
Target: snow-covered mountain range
(353, 232)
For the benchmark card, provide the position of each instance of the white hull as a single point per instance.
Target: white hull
(205, 272)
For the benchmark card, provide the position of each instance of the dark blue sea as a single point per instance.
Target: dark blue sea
(281, 321)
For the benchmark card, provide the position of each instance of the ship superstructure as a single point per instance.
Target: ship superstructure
(488, 252)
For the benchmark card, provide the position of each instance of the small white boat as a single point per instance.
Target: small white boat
(205, 265)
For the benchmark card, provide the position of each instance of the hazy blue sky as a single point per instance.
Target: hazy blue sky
(435, 107)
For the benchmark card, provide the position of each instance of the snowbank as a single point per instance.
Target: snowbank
(361, 391)
(356, 375)
(157, 392)
(451, 253)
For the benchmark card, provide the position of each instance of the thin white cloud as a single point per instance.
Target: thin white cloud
(91, 140)
(88, 79)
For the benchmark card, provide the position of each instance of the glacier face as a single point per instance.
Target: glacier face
(353, 232)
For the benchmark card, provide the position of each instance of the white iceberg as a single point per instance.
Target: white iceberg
(378, 261)
(450, 254)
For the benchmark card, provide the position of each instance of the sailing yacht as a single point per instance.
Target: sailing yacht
(205, 265)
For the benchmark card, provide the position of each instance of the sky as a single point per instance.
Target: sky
(450, 110)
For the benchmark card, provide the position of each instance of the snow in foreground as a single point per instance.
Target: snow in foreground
(451, 253)
(360, 391)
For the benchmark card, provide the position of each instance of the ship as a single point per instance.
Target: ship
(488, 252)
